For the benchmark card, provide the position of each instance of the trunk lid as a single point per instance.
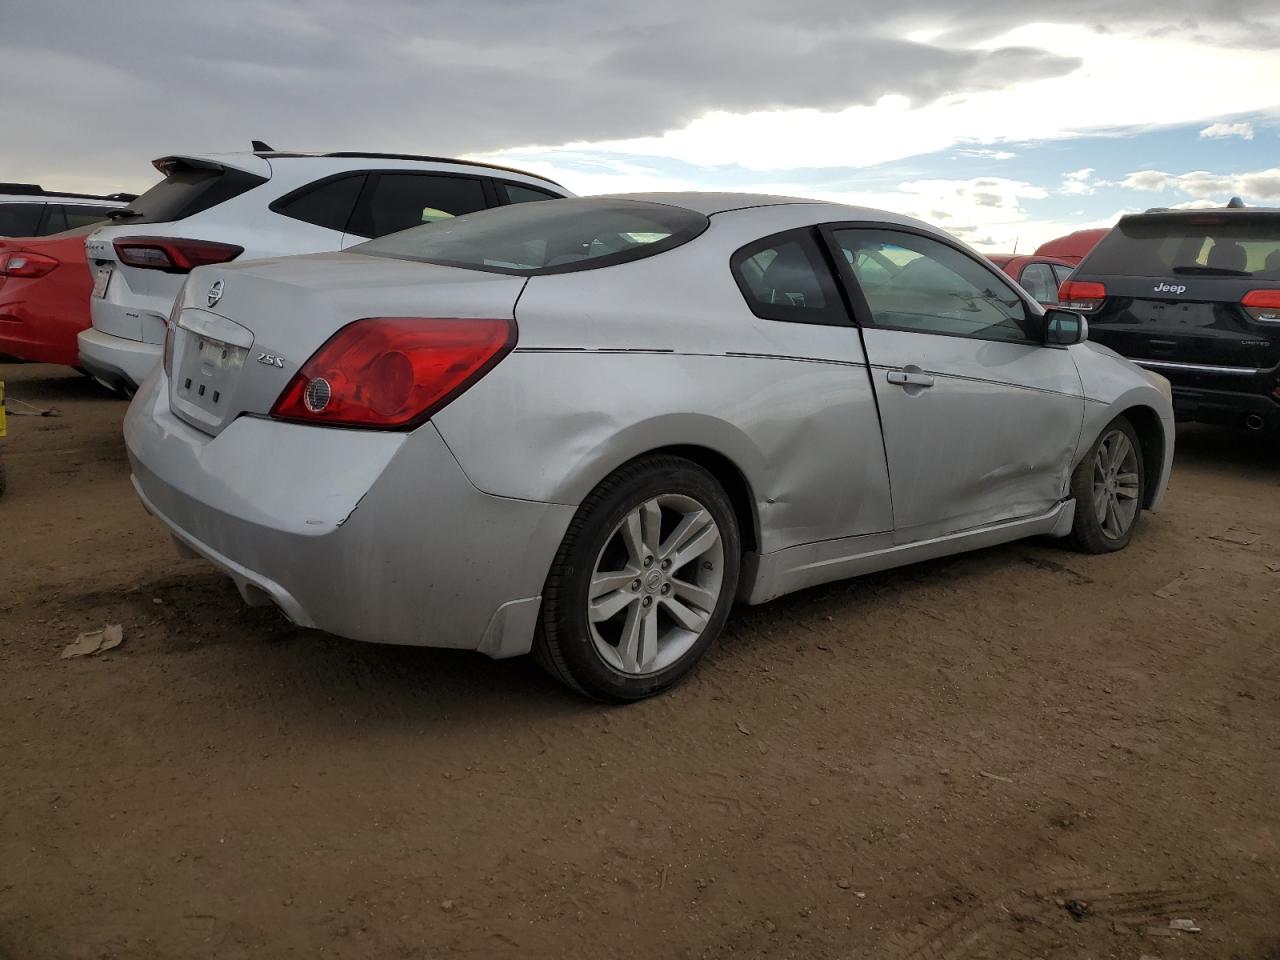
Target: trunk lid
(1185, 319)
(241, 331)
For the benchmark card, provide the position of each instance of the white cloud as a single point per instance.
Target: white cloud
(1099, 96)
(1148, 180)
(1078, 183)
(983, 153)
(1202, 184)
(986, 212)
(1217, 131)
(589, 174)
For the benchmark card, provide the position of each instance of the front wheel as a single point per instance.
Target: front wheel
(1108, 486)
(643, 582)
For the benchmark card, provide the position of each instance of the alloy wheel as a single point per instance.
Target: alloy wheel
(1115, 484)
(655, 584)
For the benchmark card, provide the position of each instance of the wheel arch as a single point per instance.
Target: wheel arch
(1147, 424)
(734, 482)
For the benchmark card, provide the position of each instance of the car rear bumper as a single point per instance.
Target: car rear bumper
(34, 343)
(368, 535)
(1259, 411)
(117, 362)
(19, 340)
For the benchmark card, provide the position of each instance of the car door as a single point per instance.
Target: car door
(980, 418)
(827, 449)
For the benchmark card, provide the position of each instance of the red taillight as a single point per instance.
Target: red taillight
(1081, 295)
(1263, 305)
(172, 254)
(390, 372)
(25, 264)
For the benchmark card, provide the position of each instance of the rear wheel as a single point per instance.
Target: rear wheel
(643, 583)
(1108, 487)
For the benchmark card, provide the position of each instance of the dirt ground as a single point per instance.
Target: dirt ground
(1017, 753)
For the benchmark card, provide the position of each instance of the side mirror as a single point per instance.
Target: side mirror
(1063, 328)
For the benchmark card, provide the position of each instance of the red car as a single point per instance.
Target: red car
(44, 296)
(1038, 275)
(1074, 247)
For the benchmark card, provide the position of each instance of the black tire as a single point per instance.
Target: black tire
(565, 646)
(1087, 532)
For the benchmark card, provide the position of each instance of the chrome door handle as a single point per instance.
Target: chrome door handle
(905, 379)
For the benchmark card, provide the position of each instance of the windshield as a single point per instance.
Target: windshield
(554, 236)
(1222, 245)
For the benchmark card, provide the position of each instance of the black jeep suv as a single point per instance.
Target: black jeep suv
(1194, 295)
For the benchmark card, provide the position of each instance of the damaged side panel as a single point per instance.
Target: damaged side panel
(990, 437)
(803, 434)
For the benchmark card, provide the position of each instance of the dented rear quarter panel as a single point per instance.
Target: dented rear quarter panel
(617, 362)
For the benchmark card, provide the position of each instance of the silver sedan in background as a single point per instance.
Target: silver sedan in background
(586, 427)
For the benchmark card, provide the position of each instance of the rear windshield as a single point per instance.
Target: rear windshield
(555, 236)
(1209, 245)
(186, 190)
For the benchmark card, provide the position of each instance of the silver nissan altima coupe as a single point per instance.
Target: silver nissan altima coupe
(585, 427)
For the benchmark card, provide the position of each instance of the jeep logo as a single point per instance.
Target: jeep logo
(1169, 288)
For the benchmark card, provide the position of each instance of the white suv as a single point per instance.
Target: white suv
(219, 207)
(28, 210)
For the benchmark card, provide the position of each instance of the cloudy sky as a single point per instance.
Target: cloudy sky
(1002, 121)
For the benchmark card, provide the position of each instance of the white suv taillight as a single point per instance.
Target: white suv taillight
(393, 372)
(173, 254)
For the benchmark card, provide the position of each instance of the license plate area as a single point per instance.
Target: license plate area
(101, 279)
(209, 353)
(208, 368)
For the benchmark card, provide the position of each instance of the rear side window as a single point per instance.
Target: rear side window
(1209, 245)
(1039, 281)
(188, 189)
(784, 277)
(518, 193)
(1061, 272)
(398, 201)
(20, 219)
(82, 216)
(55, 220)
(326, 204)
(532, 239)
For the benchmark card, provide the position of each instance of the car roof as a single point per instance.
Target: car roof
(27, 192)
(1005, 259)
(1075, 244)
(708, 202)
(261, 161)
(1157, 214)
